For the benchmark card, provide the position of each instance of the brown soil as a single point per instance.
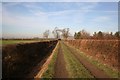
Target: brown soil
(60, 69)
(37, 68)
(97, 73)
(18, 60)
(44, 67)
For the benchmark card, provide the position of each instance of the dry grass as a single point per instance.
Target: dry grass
(104, 50)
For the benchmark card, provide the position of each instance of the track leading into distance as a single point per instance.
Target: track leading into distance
(60, 66)
(97, 73)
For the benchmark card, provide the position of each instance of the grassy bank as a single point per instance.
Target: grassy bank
(49, 73)
(105, 50)
(73, 66)
(106, 68)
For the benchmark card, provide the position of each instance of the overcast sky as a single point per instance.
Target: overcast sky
(31, 19)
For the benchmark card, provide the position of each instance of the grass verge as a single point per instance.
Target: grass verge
(106, 68)
(49, 73)
(73, 66)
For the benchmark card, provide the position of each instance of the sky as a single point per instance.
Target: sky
(31, 19)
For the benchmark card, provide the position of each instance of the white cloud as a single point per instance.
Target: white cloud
(32, 5)
(38, 23)
(40, 20)
(16, 20)
(102, 19)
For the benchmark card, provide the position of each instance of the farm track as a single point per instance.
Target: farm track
(97, 73)
(60, 69)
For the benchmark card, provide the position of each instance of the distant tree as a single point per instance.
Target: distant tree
(85, 34)
(56, 33)
(79, 35)
(46, 33)
(82, 35)
(106, 35)
(95, 35)
(65, 33)
(100, 35)
(75, 35)
(117, 34)
(111, 34)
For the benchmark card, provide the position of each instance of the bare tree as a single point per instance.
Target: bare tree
(65, 33)
(56, 33)
(100, 35)
(46, 33)
(117, 34)
(84, 34)
(107, 35)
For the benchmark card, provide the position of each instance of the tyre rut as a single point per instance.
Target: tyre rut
(60, 68)
(97, 73)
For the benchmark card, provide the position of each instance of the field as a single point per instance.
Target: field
(67, 59)
(6, 42)
(19, 59)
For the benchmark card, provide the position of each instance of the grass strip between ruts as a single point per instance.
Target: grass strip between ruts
(107, 69)
(73, 66)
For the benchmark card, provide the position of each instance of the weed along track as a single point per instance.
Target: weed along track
(74, 67)
(97, 73)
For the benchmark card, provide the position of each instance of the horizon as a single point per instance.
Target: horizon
(31, 19)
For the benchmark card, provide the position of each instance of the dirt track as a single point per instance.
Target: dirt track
(97, 73)
(60, 69)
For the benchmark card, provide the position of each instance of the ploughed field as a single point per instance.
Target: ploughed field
(19, 59)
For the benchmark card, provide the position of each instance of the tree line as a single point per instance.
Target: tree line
(83, 34)
(56, 32)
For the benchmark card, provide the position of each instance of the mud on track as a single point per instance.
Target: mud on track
(60, 67)
(97, 73)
